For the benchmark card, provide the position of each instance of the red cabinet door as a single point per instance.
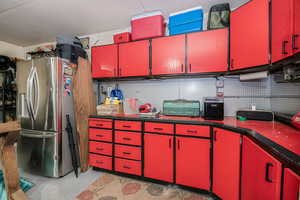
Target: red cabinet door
(134, 59)
(158, 157)
(296, 35)
(291, 185)
(282, 29)
(226, 164)
(249, 35)
(168, 55)
(104, 61)
(207, 51)
(193, 162)
(261, 173)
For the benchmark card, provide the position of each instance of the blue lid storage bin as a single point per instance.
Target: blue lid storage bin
(186, 21)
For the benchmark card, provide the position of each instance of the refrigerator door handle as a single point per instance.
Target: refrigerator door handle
(28, 98)
(35, 82)
(42, 136)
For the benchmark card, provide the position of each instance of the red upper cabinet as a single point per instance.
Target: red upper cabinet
(158, 157)
(296, 28)
(105, 61)
(249, 35)
(226, 164)
(193, 162)
(207, 51)
(282, 29)
(134, 59)
(168, 55)
(291, 185)
(261, 173)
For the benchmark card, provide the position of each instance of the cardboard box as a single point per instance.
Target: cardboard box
(110, 109)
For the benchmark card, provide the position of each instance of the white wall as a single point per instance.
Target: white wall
(11, 50)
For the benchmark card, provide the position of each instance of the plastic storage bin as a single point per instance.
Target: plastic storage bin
(148, 25)
(186, 21)
(122, 37)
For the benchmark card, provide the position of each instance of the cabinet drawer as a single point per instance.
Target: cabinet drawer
(131, 138)
(100, 123)
(103, 162)
(101, 148)
(128, 152)
(159, 128)
(100, 134)
(128, 166)
(128, 125)
(193, 130)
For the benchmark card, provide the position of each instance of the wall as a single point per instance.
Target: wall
(238, 95)
(285, 97)
(11, 50)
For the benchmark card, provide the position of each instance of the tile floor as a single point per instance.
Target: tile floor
(65, 188)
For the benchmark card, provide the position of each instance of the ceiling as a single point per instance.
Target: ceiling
(29, 22)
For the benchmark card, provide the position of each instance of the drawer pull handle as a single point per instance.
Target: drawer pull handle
(191, 131)
(126, 167)
(99, 124)
(125, 138)
(99, 135)
(126, 126)
(158, 129)
(126, 153)
(99, 149)
(99, 162)
(268, 166)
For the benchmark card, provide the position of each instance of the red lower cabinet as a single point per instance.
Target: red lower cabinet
(158, 157)
(193, 162)
(128, 166)
(261, 173)
(291, 185)
(226, 164)
(103, 162)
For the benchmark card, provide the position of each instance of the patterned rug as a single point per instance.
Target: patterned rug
(111, 187)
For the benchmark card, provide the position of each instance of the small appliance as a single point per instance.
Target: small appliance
(213, 108)
(181, 107)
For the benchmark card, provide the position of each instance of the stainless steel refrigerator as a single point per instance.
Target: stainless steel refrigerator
(44, 100)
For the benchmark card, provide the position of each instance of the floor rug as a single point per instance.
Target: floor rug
(111, 187)
(25, 185)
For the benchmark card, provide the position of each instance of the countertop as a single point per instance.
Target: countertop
(281, 140)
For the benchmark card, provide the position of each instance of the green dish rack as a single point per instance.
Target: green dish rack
(181, 107)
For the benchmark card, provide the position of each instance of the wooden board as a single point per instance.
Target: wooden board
(85, 105)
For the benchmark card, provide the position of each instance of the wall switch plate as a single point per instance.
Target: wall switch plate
(219, 83)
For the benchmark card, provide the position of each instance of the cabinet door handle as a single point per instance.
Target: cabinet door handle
(181, 67)
(99, 135)
(125, 138)
(268, 166)
(178, 144)
(190, 66)
(284, 43)
(231, 64)
(126, 126)
(126, 153)
(99, 149)
(294, 39)
(215, 135)
(120, 71)
(99, 162)
(126, 167)
(114, 71)
(158, 129)
(170, 143)
(99, 124)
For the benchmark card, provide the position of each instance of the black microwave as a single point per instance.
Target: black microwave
(213, 109)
